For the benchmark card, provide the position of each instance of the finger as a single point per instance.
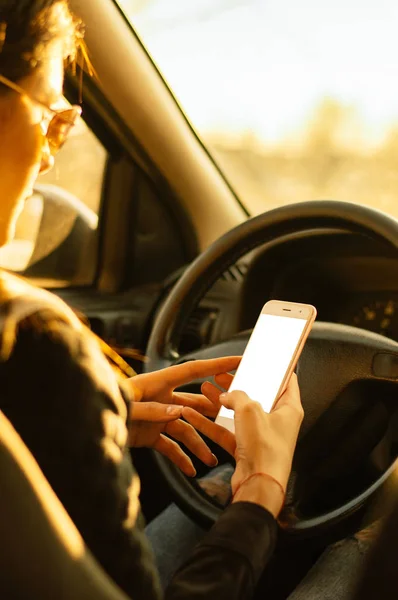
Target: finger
(172, 451)
(216, 433)
(155, 412)
(212, 392)
(197, 401)
(224, 380)
(199, 369)
(185, 433)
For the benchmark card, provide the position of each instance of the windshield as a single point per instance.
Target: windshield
(295, 100)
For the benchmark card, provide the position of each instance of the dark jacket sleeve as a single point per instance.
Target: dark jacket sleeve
(229, 561)
(63, 399)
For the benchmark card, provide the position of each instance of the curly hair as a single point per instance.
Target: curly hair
(27, 27)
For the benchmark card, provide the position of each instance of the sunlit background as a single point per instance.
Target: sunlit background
(297, 100)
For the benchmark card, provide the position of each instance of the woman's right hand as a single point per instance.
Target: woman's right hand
(263, 443)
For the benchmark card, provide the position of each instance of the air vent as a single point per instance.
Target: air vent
(236, 273)
(198, 330)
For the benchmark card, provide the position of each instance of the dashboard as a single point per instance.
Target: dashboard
(378, 314)
(349, 278)
(355, 289)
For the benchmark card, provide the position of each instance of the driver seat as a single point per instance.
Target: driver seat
(42, 555)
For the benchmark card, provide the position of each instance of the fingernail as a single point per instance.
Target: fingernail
(223, 396)
(193, 474)
(215, 460)
(174, 410)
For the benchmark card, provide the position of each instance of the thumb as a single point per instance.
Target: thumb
(234, 400)
(155, 412)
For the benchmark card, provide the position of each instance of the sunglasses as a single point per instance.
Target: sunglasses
(61, 123)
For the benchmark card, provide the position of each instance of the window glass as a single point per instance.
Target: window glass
(295, 100)
(56, 239)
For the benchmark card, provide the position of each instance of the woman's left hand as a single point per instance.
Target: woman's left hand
(158, 407)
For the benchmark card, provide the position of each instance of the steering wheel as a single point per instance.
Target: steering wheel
(346, 428)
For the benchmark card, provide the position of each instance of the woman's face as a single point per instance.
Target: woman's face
(24, 150)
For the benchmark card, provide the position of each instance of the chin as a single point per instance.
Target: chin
(7, 236)
(5, 239)
(7, 230)
(9, 218)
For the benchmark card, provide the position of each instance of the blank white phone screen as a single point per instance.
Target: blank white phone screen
(266, 359)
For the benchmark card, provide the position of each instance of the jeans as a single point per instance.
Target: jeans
(173, 536)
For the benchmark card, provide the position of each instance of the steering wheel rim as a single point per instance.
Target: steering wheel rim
(197, 280)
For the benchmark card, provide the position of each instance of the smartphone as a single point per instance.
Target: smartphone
(271, 354)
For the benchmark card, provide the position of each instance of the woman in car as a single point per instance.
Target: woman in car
(70, 407)
(75, 413)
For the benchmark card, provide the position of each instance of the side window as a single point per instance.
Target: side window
(56, 241)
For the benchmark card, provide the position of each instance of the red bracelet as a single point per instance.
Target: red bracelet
(261, 474)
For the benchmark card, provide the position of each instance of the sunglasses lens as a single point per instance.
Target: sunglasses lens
(60, 127)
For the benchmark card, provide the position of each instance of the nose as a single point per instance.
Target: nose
(47, 159)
